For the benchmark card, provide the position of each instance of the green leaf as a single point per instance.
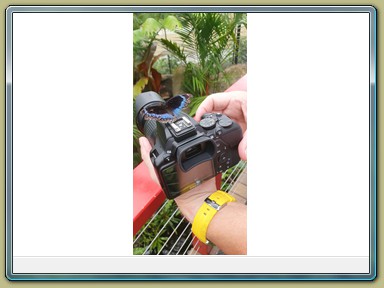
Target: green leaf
(139, 86)
(138, 35)
(195, 103)
(151, 26)
(138, 251)
(171, 23)
(175, 49)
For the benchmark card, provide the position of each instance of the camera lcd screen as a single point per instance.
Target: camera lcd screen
(179, 181)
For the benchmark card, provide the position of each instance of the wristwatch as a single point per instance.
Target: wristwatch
(204, 215)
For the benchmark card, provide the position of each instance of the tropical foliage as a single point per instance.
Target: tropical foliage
(208, 42)
(145, 46)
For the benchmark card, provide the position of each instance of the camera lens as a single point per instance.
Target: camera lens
(147, 127)
(144, 100)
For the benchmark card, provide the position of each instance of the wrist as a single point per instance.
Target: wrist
(190, 202)
(211, 206)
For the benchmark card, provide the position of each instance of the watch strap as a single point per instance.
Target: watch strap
(207, 211)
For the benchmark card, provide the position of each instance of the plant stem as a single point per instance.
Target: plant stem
(169, 59)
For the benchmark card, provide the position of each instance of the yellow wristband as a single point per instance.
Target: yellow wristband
(204, 215)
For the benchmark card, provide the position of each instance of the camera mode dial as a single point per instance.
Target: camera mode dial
(208, 123)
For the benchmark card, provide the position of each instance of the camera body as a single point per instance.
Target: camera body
(186, 153)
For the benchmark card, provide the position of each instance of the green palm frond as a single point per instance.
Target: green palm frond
(174, 48)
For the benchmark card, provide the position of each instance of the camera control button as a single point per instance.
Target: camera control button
(222, 158)
(219, 144)
(225, 122)
(208, 123)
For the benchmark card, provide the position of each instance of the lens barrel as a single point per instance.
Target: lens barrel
(147, 127)
(144, 100)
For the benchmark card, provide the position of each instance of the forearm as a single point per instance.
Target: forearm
(228, 229)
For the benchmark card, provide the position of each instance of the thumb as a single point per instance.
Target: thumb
(243, 147)
(145, 149)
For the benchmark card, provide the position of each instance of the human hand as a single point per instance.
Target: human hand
(189, 202)
(232, 104)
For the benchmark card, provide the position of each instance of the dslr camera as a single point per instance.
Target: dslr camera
(185, 153)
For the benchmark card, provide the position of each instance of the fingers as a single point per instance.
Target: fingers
(214, 103)
(233, 104)
(243, 147)
(145, 149)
